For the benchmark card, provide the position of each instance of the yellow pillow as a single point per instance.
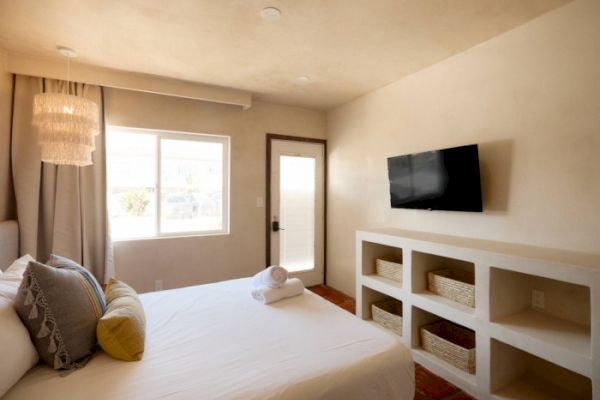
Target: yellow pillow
(122, 329)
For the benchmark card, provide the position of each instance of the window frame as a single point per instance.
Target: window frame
(160, 135)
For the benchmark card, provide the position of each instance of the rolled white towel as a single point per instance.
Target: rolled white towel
(272, 277)
(292, 287)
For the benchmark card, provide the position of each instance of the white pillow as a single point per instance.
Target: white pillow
(17, 352)
(11, 279)
(17, 268)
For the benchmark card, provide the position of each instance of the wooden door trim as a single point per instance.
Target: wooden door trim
(270, 138)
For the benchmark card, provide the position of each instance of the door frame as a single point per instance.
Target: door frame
(270, 138)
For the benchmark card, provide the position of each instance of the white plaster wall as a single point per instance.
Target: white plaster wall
(529, 97)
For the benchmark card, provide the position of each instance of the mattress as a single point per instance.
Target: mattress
(215, 342)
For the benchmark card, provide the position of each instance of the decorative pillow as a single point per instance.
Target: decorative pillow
(60, 308)
(17, 352)
(122, 330)
(94, 286)
(12, 277)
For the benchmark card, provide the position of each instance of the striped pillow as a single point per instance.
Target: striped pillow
(60, 304)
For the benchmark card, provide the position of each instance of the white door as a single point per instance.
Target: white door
(297, 209)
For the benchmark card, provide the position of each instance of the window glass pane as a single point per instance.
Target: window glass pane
(131, 170)
(297, 212)
(191, 186)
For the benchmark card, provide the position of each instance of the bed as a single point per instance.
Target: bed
(215, 342)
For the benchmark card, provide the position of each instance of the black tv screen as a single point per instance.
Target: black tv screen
(445, 179)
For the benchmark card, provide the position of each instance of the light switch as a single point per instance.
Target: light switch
(260, 202)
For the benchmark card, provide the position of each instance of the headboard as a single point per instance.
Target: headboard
(9, 243)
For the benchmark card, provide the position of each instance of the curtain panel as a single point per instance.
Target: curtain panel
(60, 209)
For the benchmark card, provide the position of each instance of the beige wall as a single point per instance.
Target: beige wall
(529, 97)
(7, 209)
(193, 260)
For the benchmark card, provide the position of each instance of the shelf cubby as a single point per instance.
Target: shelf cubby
(373, 251)
(371, 296)
(422, 263)
(516, 374)
(421, 318)
(563, 320)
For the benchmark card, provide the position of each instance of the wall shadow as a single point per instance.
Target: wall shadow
(495, 163)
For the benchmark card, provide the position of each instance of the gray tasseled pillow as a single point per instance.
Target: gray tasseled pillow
(60, 305)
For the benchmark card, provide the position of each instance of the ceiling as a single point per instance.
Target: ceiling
(346, 47)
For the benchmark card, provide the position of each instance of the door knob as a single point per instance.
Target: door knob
(275, 226)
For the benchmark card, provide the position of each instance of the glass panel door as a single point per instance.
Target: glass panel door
(297, 209)
(297, 212)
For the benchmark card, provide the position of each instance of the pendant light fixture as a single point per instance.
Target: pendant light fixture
(67, 124)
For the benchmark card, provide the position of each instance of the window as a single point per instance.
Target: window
(166, 184)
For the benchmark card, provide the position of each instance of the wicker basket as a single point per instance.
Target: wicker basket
(389, 269)
(388, 313)
(457, 285)
(450, 342)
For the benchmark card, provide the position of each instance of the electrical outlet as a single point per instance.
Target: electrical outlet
(537, 299)
(158, 285)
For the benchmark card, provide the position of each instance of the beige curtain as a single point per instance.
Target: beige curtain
(60, 209)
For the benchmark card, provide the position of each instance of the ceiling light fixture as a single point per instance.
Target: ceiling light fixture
(270, 13)
(67, 124)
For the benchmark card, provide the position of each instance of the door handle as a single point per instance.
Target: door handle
(275, 226)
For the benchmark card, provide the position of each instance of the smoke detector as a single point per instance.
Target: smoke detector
(270, 13)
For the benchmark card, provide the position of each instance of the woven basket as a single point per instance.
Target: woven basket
(450, 342)
(389, 269)
(457, 285)
(388, 313)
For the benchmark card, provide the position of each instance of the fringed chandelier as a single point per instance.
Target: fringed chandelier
(67, 124)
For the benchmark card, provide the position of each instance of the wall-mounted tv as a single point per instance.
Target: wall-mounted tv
(446, 179)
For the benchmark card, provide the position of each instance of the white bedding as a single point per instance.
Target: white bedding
(215, 342)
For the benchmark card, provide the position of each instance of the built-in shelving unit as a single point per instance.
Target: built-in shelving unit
(536, 316)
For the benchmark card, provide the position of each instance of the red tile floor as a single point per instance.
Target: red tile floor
(428, 385)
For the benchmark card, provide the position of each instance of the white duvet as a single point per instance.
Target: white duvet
(216, 342)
